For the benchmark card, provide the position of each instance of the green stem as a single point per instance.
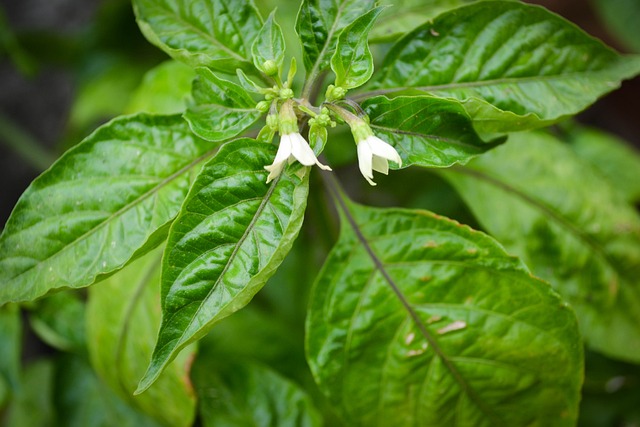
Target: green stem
(24, 144)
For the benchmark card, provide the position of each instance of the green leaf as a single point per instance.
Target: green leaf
(319, 24)
(58, 320)
(81, 400)
(514, 66)
(352, 61)
(621, 18)
(163, 90)
(102, 204)
(616, 159)
(232, 233)
(123, 318)
(222, 108)
(269, 45)
(405, 15)
(546, 205)
(425, 130)
(11, 349)
(248, 394)
(420, 320)
(202, 33)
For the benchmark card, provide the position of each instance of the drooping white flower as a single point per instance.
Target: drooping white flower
(374, 154)
(292, 147)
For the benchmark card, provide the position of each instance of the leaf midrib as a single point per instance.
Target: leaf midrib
(481, 83)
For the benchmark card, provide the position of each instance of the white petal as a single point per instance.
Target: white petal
(365, 158)
(284, 150)
(381, 165)
(384, 150)
(301, 150)
(274, 171)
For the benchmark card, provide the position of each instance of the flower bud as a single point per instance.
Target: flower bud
(269, 67)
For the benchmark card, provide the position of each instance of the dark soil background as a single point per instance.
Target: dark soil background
(59, 39)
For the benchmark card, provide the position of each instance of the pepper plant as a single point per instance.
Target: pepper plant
(177, 217)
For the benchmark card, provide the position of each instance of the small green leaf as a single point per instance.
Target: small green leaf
(163, 90)
(58, 320)
(269, 46)
(417, 319)
(123, 318)
(222, 108)
(319, 24)
(425, 130)
(102, 204)
(248, 394)
(546, 205)
(232, 233)
(352, 61)
(614, 158)
(514, 66)
(212, 33)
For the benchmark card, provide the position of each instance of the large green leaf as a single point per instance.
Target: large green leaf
(352, 61)
(163, 90)
(549, 207)
(319, 24)
(425, 130)
(210, 33)
(423, 321)
(123, 317)
(248, 394)
(617, 160)
(222, 108)
(513, 65)
(405, 15)
(106, 201)
(232, 233)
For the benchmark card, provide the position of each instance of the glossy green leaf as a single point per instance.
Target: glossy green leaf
(123, 317)
(212, 33)
(417, 319)
(103, 203)
(58, 320)
(514, 66)
(405, 15)
(352, 61)
(222, 109)
(232, 233)
(268, 45)
(425, 130)
(549, 207)
(81, 400)
(163, 90)
(616, 159)
(248, 394)
(319, 24)
(11, 348)
(621, 17)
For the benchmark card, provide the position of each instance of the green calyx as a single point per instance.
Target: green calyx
(287, 119)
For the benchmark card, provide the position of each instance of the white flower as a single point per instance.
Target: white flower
(292, 146)
(374, 154)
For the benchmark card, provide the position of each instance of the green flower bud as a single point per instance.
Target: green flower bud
(269, 67)
(286, 93)
(263, 106)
